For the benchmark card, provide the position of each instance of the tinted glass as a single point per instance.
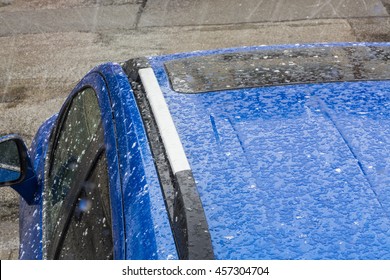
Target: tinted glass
(278, 67)
(89, 233)
(9, 161)
(77, 132)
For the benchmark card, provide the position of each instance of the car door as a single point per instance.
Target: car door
(77, 215)
(98, 129)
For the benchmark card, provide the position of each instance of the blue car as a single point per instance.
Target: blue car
(270, 152)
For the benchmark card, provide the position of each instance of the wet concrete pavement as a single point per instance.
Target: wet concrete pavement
(47, 46)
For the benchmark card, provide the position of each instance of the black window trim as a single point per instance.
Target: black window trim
(93, 154)
(56, 131)
(52, 145)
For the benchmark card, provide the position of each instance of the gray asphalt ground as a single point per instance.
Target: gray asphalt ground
(47, 46)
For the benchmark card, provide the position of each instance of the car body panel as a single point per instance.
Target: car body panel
(126, 148)
(289, 172)
(148, 233)
(30, 216)
(96, 79)
(283, 172)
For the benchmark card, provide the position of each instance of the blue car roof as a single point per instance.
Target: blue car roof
(296, 171)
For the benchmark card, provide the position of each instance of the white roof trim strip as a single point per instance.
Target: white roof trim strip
(171, 140)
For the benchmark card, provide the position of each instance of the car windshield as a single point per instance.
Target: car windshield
(278, 67)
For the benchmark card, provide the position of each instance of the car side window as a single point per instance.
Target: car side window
(89, 233)
(77, 132)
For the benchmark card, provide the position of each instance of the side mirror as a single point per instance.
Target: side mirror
(16, 169)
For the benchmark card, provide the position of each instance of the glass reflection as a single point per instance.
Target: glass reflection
(9, 162)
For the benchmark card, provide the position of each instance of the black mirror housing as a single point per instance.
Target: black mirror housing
(16, 169)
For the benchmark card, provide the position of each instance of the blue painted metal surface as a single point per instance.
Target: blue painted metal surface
(146, 225)
(95, 79)
(287, 172)
(140, 228)
(290, 172)
(30, 216)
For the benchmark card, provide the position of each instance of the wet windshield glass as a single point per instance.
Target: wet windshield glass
(278, 67)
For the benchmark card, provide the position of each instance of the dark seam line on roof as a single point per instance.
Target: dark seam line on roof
(243, 150)
(239, 140)
(215, 130)
(329, 116)
(222, 90)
